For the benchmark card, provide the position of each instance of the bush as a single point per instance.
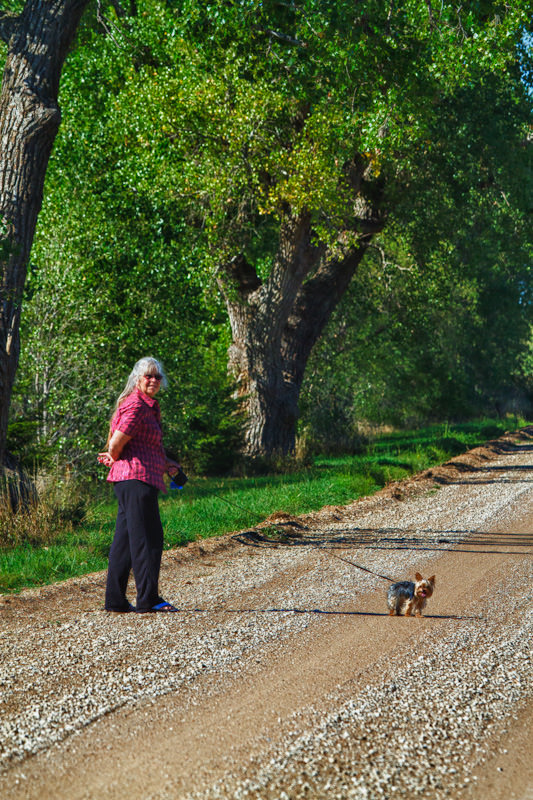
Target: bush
(492, 431)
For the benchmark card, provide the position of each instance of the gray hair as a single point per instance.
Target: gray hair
(144, 366)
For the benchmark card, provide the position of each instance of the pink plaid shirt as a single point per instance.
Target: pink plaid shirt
(143, 458)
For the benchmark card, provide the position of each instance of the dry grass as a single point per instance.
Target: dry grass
(37, 510)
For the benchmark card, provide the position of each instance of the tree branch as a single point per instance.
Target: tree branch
(282, 37)
(239, 275)
(313, 307)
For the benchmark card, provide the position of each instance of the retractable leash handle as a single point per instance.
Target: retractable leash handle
(178, 480)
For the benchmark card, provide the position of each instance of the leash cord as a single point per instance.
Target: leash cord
(353, 564)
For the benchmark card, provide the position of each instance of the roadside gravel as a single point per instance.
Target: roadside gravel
(422, 723)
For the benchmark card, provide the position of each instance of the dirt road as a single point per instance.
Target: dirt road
(283, 675)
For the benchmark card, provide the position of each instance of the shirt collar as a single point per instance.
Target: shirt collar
(150, 401)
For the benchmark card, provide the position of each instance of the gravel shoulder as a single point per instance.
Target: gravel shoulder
(283, 676)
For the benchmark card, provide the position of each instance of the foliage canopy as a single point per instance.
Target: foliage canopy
(188, 131)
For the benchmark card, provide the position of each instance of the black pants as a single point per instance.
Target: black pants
(138, 543)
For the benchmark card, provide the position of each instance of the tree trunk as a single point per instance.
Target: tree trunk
(38, 40)
(276, 323)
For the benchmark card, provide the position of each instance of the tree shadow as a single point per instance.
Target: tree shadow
(293, 534)
(471, 469)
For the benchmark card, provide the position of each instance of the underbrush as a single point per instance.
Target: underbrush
(60, 537)
(36, 511)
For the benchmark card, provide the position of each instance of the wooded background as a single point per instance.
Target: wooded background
(316, 213)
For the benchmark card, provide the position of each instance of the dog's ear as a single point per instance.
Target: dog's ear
(418, 576)
(432, 579)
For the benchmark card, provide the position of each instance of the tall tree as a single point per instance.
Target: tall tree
(293, 131)
(37, 42)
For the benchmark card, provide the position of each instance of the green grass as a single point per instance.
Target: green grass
(210, 507)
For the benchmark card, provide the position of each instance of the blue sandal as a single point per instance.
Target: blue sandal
(165, 607)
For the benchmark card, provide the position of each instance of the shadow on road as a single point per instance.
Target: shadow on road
(420, 539)
(481, 475)
(320, 611)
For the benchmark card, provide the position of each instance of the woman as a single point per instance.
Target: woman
(138, 461)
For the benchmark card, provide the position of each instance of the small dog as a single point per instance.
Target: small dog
(405, 597)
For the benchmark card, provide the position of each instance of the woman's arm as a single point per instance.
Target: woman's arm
(116, 445)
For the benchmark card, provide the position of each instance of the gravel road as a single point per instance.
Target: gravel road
(282, 676)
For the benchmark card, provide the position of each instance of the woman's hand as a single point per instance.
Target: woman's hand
(172, 467)
(106, 459)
